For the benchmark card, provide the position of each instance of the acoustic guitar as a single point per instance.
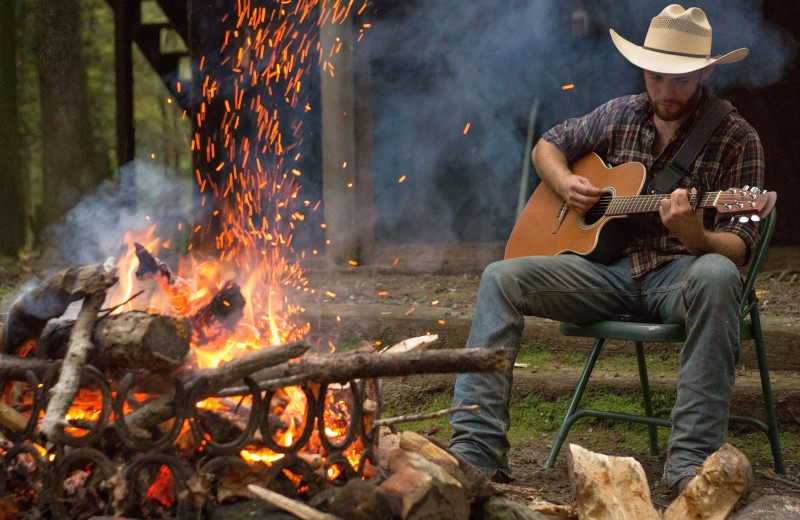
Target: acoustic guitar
(547, 226)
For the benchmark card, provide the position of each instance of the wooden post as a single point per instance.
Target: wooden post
(365, 185)
(12, 199)
(339, 159)
(126, 14)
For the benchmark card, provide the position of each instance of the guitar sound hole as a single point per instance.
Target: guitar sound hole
(597, 211)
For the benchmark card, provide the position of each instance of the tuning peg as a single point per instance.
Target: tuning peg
(743, 219)
(754, 218)
(755, 190)
(745, 187)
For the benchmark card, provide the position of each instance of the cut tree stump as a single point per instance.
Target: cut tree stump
(711, 495)
(609, 488)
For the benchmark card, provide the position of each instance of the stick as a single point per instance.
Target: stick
(80, 343)
(12, 419)
(424, 416)
(776, 478)
(299, 509)
(340, 368)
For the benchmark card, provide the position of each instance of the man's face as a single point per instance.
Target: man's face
(673, 96)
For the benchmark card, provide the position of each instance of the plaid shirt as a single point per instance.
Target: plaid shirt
(622, 130)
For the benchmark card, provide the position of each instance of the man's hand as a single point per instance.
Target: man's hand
(686, 224)
(579, 193)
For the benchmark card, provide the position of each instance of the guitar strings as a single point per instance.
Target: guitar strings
(648, 199)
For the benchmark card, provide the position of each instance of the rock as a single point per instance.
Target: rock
(773, 507)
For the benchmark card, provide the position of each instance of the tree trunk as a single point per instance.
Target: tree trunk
(70, 163)
(12, 199)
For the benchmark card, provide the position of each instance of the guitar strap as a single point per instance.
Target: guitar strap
(713, 111)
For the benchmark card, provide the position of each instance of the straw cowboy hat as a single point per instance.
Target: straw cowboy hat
(678, 41)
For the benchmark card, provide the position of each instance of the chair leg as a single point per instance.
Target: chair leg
(648, 401)
(766, 387)
(573, 405)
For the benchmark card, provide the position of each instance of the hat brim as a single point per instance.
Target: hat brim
(670, 63)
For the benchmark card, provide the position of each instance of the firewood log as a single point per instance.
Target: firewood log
(609, 488)
(419, 489)
(711, 495)
(29, 315)
(341, 368)
(126, 341)
(220, 316)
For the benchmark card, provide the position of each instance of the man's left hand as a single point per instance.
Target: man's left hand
(686, 224)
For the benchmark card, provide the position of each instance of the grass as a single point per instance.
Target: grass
(535, 419)
(540, 354)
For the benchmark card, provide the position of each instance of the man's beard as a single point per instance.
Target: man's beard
(680, 111)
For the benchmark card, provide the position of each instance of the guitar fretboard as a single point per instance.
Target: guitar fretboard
(650, 203)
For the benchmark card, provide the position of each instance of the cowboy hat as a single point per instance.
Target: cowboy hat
(678, 41)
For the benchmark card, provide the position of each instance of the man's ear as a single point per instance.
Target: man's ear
(706, 72)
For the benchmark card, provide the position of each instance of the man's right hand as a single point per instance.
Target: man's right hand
(579, 193)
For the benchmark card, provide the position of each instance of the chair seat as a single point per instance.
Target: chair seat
(637, 331)
(625, 330)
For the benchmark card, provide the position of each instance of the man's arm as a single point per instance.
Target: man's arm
(552, 166)
(687, 225)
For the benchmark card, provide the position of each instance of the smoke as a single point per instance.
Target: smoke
(438, 65)
(147, 195)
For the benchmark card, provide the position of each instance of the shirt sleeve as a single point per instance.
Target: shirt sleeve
(745, 168)
(578, 136)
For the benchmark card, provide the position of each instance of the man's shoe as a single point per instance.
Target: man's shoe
(502, 478)
(677, 488)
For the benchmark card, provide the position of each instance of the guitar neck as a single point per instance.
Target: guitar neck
(651, 203)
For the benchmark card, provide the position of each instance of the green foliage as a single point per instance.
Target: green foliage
(160, 128)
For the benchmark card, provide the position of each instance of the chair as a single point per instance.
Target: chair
(640, 333)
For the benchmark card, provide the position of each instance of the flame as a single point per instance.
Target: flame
(257, 79)
(162, 490)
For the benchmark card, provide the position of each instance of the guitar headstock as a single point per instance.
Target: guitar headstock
(746, 201)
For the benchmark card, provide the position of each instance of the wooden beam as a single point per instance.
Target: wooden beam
(339, 142)
(126, 16)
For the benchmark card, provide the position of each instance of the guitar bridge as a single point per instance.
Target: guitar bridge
(562, 212)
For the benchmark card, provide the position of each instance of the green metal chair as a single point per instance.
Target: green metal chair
(640, 333)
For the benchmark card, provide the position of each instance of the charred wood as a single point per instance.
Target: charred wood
(220, 316)
(29, 315)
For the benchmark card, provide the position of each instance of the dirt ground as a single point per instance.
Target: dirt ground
(779, 292)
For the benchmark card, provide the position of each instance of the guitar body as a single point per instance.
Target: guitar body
(547, 226)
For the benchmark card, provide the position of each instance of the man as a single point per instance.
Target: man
(681, 268)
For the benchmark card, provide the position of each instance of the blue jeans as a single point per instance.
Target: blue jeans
(702, 293)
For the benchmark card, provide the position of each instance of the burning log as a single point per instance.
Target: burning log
(29, 315)
(220, 316)
(204, 383)
(130, 340)
(177, 289)
(63, 393)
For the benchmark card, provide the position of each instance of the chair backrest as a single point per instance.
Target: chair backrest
(767, 229)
